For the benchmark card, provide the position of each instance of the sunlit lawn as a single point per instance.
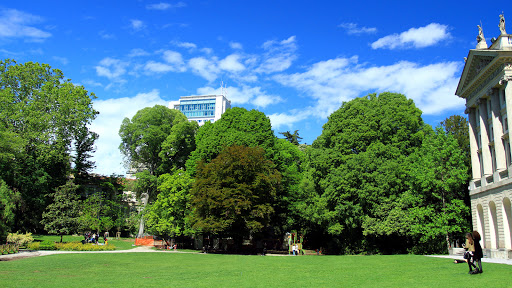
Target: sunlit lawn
(121, 244)
(171, 269)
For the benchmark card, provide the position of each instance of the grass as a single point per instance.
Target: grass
(210, 270)
(121, 244)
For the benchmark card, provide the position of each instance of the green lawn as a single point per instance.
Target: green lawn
(121, 244)
(201, 270)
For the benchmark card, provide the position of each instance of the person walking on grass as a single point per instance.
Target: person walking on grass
(470, 251)
(477, 256)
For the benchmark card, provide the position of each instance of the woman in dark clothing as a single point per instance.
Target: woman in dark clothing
(470, 248)
(477, 256)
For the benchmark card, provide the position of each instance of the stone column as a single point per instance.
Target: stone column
(486, 152)
(508, 100)
(499, 149)
(473, 144)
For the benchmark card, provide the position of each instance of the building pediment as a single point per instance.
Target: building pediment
(482, 66)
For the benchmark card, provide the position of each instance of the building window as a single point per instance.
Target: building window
(491, 133)
(505, 124)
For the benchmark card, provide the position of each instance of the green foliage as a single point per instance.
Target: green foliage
(167, 215)
(77, 246)
(47, 245)
(292, 138)
(41, 115)
(149, 131)
(20, 239)
(8, 202)
(9, 249)
(237, 126)
(235, 194)
(61, 216)
(360, 161)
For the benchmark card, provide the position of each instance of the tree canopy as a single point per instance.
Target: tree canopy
(157, 138)
(42, 115)
(235, 194)
(237, 126)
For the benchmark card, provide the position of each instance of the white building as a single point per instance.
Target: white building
(202, 108)
(486, 84)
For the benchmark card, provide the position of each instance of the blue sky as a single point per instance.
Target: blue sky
(296, 61)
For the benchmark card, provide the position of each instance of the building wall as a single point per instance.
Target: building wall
(486, 84)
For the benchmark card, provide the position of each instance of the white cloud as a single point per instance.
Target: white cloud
(236, 45)
(112, 112)
(157, 67)
(174, 62)
(18, 24)
(186, 45)
(279, 55)
(138, 52)
(137, 24)
(243, 95)
(414, 38)
(165, 6)
(207, 50)
(231, 63)
(173, 57)
(353, 28)
(111, 68)
(331, 82)
(279, 120)
(205, 68)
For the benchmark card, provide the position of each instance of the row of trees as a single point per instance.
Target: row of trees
(377, 180)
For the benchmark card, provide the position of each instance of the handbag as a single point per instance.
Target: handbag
(467, 255)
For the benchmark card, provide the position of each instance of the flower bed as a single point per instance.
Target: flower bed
(9, 249)
(70, 246)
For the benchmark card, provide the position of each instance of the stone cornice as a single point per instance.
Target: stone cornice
(474, 83)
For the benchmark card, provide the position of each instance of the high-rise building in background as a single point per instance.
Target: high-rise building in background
(202, 108)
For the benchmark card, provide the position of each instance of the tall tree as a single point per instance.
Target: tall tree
(292, 138)
(237, 126)
(167, 215)
(235, 194)
(42, 113)
(61, 216)
(144, 135)
(359, 161)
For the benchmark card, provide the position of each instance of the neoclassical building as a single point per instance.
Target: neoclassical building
(486, 84)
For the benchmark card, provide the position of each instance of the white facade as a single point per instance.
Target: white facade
(486, 84)
(202, 108)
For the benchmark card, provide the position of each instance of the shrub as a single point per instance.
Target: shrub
(47, 245)
(77, 246)
(20, 239)
(33, 246)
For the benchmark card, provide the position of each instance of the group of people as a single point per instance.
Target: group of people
(474, 253)
(93, 238)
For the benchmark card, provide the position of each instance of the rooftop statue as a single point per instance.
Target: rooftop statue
(480, 39)
(480, 36)
(502, 24)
